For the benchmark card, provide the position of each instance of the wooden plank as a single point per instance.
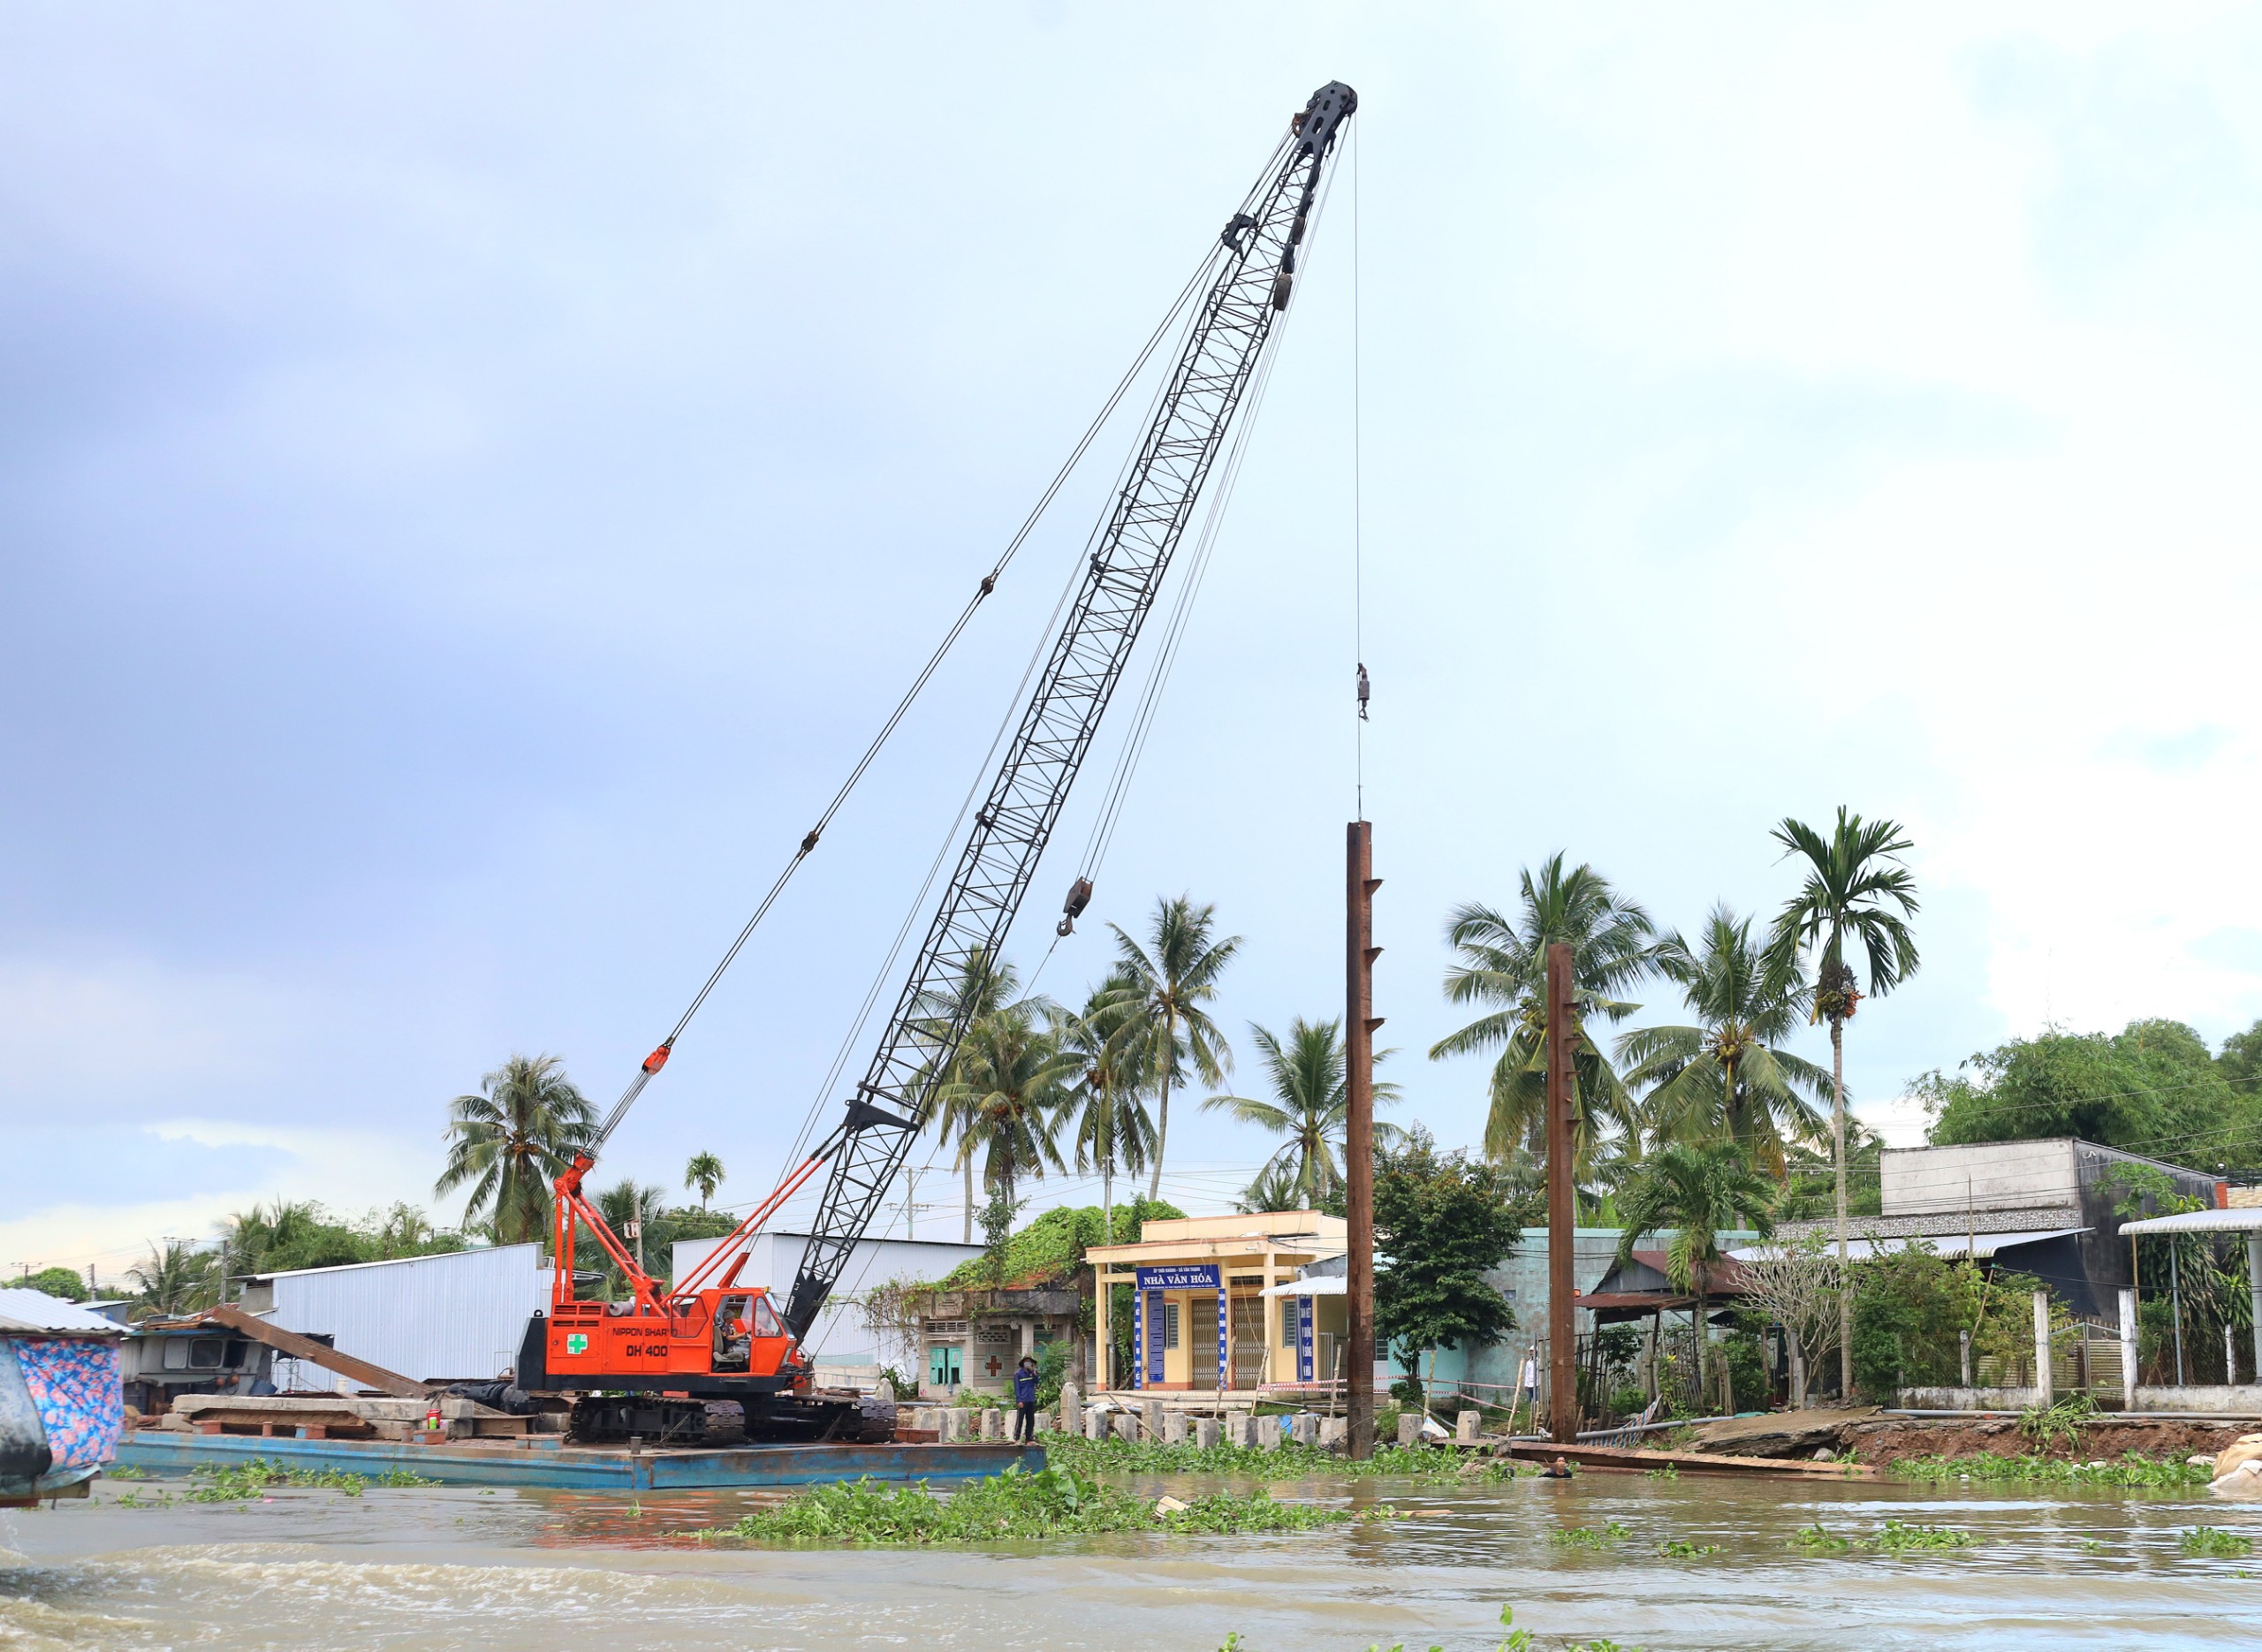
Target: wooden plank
(306, 1348)
(1618, 1457)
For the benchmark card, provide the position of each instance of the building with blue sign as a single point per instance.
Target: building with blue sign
(1209, 1310)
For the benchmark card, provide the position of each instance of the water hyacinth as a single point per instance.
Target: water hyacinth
(1056, 1503)
(2131, 1469)
(253, 1479)
(1113, 1455)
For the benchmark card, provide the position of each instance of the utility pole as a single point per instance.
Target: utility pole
(1359, 1024)
(1562, 1195)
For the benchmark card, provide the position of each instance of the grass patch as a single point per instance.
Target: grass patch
(1057, 1503)
(2131, 1469)
(2212, 1541)
(1113, 1455)
(1680, 1549)
(255, 1478)
(1588, 1536)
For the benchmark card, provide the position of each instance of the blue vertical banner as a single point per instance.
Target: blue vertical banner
(1138, 1336)
(1304, 1306)
(1224, 1347)
(1158, 1325)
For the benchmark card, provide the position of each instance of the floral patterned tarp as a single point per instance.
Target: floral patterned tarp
(75, 1384)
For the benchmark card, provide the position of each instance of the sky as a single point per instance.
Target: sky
(472, 479)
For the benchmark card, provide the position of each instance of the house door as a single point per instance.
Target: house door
(1248, 1339)
(946, 1366)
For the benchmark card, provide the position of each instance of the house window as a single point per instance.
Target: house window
(1288, 1321)
(1170, 1324)
(945, 1365)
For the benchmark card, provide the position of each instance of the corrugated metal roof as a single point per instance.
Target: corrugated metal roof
(1976, 1245)
(2238, 1219)
(455, 1314)
(22, 1308)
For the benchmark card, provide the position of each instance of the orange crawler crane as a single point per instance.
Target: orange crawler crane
(660, 1364)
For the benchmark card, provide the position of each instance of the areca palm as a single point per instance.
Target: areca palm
(1503, 964)
(1167, 1031)
(1311, 1098)
(1113, 1130)
(1857, 897)
(1696, 1190)
(1726, 1076)
(1010, 1094)
(510, 1141)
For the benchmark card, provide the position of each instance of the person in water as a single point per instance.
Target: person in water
(1556, 1470)
(1025, 1399)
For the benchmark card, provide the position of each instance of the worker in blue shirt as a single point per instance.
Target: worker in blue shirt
(1025, 1399)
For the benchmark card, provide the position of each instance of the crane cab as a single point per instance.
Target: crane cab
(730, 1333)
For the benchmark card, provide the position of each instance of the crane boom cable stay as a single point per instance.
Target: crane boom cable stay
(1255, 282)
(988, 584)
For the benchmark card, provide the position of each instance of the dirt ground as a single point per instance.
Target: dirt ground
(1888, 1440)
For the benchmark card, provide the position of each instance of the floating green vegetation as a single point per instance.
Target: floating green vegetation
(1518, 1640)
(1056, 1503)
(253, 1479)
(1669, 1472)
(1588, 1536)
(1897, 1535)
(2131, 1469)
(124, 1470)
(2213, 1542)
(1680, 1549)
(1819, 1539)
(1153, 1457)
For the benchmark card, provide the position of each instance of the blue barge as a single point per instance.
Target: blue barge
(550, 1464)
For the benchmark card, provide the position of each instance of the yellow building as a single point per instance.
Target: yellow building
(1213, 1303)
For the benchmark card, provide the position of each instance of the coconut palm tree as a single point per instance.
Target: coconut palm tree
(1728, 1076)
(1309, 1100)
(1857, 896)
(629, 1209)
(1010, 1094)
(1274, 1188)
(1696, 1190)
(1113, 1129)
(1167, 1030)
(180, 1278)
(511, 1140)
(704, 1172)
(980, 991)
(1503, 963)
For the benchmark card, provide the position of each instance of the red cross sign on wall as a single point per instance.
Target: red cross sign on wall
(992, 1368)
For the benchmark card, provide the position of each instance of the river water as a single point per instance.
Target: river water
(315, 1571)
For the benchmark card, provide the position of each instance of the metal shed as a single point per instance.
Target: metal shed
(451, 1317)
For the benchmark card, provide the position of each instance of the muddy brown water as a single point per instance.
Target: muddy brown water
(314, 1570)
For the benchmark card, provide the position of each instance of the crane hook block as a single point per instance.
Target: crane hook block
(659, 1058)
(809, 842)
(1080, 896)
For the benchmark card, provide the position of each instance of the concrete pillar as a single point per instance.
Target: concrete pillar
(2042, 1381)
(1174, 1427)
(1409, 1428)
(1465, 1425)
(1334, 1432)
(1307, 1428)
(1205, 1432)
(2129, 1348)
(1271, 1432)
(1963, 1355)
(1126, 1426)
(2254, 1295)
(1153, 1420)
(1241, 1429)
(958, 1424)
(1072, 1406)
(993, 1425)
(1096, 1423)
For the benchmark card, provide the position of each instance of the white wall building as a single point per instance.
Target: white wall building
(456, 1316)
(839, 1338)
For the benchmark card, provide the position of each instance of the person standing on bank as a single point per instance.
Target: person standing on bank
(1025, 1399)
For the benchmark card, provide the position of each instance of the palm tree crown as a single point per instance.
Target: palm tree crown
(1010, 1093)
(1726, 1076)
(1113, 1129)
(1696, 1190)
(1503, 962)
(705, 1173)
(510, 1141)
(1311, 1098)
(1167, 1030)
(1854, 882)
